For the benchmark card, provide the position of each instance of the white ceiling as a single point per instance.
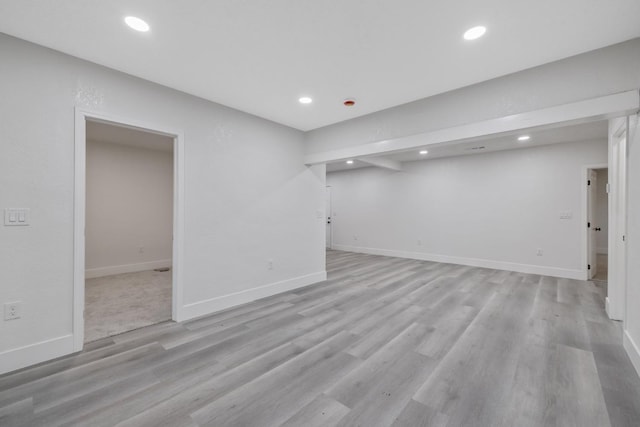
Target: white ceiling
(104, 132)
(261, 56)
(574, 133)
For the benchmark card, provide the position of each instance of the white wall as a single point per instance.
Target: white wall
(129, 205)
(598, 73)
(493, 209)
(248, 195)
(602, 211)
(632, 320)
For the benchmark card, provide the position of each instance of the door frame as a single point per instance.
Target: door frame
(585, 214)
(79, 200)
(327, 215)
(616, 285)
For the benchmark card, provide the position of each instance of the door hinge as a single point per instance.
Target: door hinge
(588, 225)
(588, 182)
(589, 267)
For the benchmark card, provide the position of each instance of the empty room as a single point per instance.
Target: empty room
(128, 229)
(320, 213)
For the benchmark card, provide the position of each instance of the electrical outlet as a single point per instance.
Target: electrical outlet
(539, 252)
(12, 310)
(270, 264)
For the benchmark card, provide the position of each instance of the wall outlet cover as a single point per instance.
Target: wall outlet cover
(12, 310)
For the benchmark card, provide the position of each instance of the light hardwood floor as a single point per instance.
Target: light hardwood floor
(383, 342)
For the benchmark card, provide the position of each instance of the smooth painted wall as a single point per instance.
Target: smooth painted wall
(129, 208)
(248, 197)
(494, 209)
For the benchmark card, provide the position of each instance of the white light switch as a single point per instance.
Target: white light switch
(16, 216)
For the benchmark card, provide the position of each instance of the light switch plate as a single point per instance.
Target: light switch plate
(16, 216)
(566, 214)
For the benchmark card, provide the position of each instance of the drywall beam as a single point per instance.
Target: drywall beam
(382, 163)
(601, 108)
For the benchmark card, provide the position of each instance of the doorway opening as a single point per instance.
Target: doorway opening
(128, 229)
(598, 226)
(94, 262)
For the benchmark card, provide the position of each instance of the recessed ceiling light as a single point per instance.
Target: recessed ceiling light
(423, 152)
(475, 32)
(137, 24)
(305, 100)
(349, 162)
(524, 138)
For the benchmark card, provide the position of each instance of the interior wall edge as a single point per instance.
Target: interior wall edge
(472, 262)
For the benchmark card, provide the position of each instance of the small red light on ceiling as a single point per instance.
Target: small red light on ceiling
(349, 102)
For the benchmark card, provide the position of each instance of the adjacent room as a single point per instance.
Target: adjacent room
(301, 214)
(129, 229)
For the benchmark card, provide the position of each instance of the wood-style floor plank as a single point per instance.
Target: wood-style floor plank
(383, 342)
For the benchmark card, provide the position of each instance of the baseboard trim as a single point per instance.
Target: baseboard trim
(92, 273)
(473, 262)
(632, 350)
(202, 308)
(18, 358)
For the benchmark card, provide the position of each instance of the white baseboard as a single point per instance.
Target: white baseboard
(602, 251)
(473, 262)
(32, 354)
(201, 308)
(28, 355)
(92, 273)
(632, 350)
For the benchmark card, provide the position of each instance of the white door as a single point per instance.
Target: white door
(328, 217)
(592, 185)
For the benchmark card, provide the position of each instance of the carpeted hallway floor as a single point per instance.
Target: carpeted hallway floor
(123, 302)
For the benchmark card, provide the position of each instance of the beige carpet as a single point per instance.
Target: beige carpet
(120, 303)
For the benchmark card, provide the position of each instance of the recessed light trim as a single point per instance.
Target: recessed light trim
(423, 152)
(523, 138)
(305, 100)
(475, 33)
(137, 24)
(349, 162)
